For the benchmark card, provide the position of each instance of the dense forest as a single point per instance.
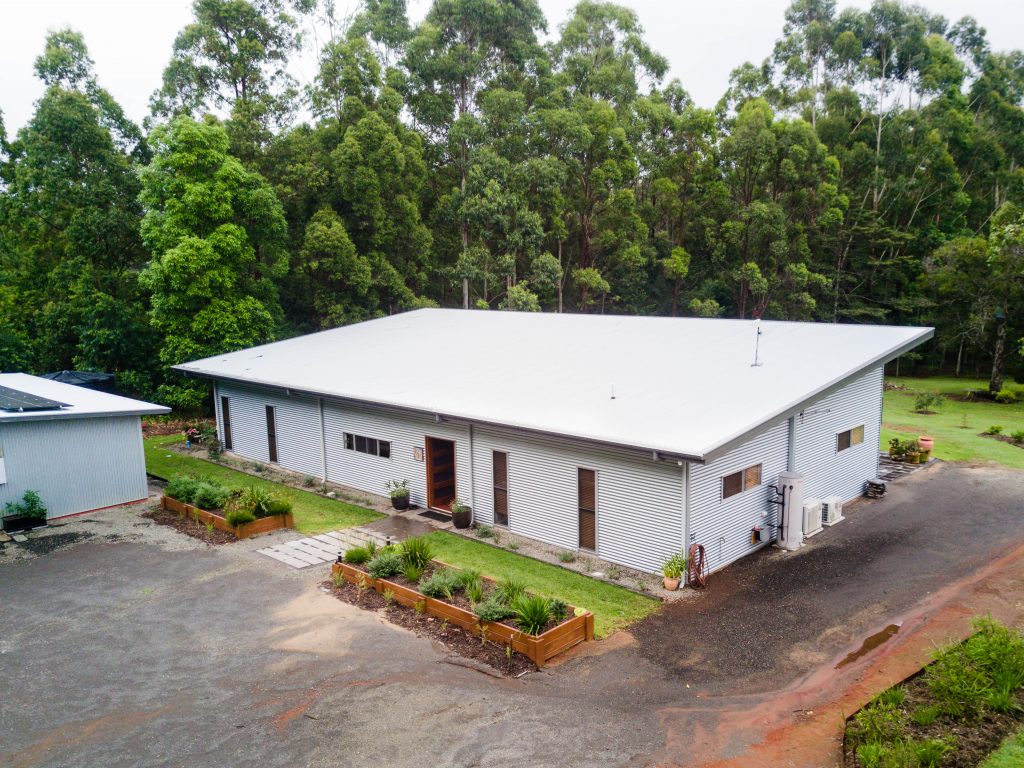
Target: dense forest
(870, 171)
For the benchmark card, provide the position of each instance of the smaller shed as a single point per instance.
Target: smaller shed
(80, 449)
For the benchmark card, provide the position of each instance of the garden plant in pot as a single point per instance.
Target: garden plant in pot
(462, 515)
(399, 492)
(29, 513)
(673, 570)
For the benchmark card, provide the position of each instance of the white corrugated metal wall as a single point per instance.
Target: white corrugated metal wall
(639, 500)
(75, 464)
(723, 525)
(841, 473)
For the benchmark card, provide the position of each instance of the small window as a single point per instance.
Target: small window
(741, 481)
(370, 445)
(499, 477)
(271, 434)
(225, 417)
(586, 491)
(850, 438)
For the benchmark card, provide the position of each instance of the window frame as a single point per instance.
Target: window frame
(849, 434)
(580, 509)
(225, 421)
(271, 414)
(496, 488)
(381, 448)
(743, 486)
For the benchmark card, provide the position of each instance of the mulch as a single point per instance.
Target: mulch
(975, 739)
(189, 527)
(455, 639)
(1002, 438)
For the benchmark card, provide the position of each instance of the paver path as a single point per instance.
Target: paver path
(322, 548)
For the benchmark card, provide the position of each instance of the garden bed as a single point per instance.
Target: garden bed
(952, 714)
(555, 638)
(1003, 439)
(188, 526)
(243, 531)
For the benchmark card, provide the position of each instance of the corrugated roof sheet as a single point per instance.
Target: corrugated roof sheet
(82, 402)
(683, 386)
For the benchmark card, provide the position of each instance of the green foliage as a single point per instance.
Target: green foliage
(925, 716)
(925, 402)
(239, 516)
(209, 495)
(567, 556)
(532, 613)
(417, 551)
(357, 555)
(257, 499)
(474, 591)
(1009, 755)
(929, 752)
(397, 489)
(441, 584)
(412, 572)
(483, 531)
(1006, 396)
(182, 488)
(1018, 436)
(31, 505)
(492, 609)
(510, 589)
(559, 609)
(674, 567)
(385, 565)
(995, 429)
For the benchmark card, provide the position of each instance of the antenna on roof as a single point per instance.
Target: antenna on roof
(757, 345)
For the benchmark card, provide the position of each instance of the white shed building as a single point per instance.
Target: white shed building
(80, 449)
(631, 437)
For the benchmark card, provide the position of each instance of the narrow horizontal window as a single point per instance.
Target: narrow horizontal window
(741, 481)
(850, 438)
(370, 445)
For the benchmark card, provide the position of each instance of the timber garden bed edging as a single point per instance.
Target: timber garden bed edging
(538, 648)
(244, 531)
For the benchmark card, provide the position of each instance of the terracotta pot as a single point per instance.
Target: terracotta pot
(400, 502)
(927, 443)
(671, 584)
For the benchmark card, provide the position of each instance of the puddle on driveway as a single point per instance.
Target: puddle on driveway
(870, 644)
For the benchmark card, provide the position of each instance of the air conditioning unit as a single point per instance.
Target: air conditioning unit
(812, 517)
(831, 510)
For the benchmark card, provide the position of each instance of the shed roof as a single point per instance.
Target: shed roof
(81, 402)
(682, 386)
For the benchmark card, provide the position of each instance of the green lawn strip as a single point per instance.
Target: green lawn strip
(313, 513)
(613, 607)
(1010, 753)
(953, 442)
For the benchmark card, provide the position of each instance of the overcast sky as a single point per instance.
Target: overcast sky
(130, 40)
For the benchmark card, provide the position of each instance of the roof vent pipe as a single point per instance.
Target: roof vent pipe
(757, 345)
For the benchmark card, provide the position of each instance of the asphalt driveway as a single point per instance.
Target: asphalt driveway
(136, 648)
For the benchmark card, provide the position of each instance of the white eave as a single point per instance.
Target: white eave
(81, 401)
(683, 387)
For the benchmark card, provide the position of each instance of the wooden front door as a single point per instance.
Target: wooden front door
(440, 473)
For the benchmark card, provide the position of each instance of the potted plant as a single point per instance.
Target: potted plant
(926, 443)
(462, 515)
(399, 492)
(29, 513)
(672, 570)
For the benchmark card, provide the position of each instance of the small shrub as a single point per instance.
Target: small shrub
(613, 573)
(475, 592)
(1002, 700)
(674, 567)
(925, 716)
(469, 576)
(385, 565)
(559, 609)
(417, 550)
(255, 466)
(877, 722)
(420, 606)
(995, 429)
(237, 517)
(371, 547)
(894, 696)
(926, 402)
(492, 609)
(309, 481)
(412, 572)
(1006, 396)
(397, 489)
(256, 499)
(509, 590)
(389, 596)
(533, 613)
(357, 556)
(209, 526)
(209, 495)
(278, 506)
(182, 488)
(441, 584)
(1018, 436)
(484, 531)
(513, 545)
(567, 556)
(338, 578)
(929, 752)
(870, 755)
(29, 506)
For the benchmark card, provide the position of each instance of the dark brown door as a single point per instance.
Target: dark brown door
(271, 434)
(440, 473)
(225, 415)
(500, 479)
(587, 491)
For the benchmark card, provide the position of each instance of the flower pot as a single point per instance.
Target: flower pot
(400, 502)
(463, 517)
(16, 523)
(927, 443)
(671, 584)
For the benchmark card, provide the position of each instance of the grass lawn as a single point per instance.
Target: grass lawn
(1009, 755)
(313, 513)
(953, 441)
(613, 607)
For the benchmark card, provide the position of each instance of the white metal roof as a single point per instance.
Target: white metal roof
(682, 386)
(83, 402)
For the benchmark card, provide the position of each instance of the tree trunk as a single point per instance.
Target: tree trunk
(995, 383)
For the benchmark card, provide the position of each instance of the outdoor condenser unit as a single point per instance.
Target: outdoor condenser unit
(812, 517)
(831, 510)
